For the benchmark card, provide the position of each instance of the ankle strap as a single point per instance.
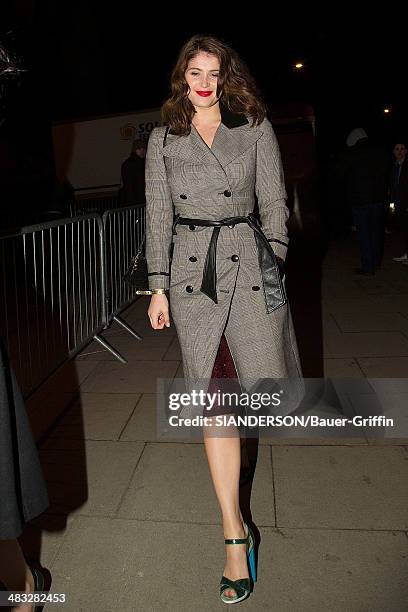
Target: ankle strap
(236, 541)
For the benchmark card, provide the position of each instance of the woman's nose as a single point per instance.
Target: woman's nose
(204, 81)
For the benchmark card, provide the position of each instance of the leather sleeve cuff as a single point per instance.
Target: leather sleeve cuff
(159, 281)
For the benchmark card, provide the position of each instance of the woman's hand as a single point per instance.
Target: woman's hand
(158, 311)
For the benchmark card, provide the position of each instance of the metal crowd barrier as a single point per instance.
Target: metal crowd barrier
(96, 203)
(51, 286)
(124, 230)
(61, 286)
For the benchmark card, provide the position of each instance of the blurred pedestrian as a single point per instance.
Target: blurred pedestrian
(399, 194)
(363, 170)
(132, 192)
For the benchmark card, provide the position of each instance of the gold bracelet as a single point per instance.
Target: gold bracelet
(158, 291)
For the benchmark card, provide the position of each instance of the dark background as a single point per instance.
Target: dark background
(88, 58)
(85, 58)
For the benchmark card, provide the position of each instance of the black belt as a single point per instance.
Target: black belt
(274, 289)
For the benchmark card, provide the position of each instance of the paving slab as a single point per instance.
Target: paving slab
(44, 407)
(136, 377)
(363, 304)
(366, 344)
(384, 367)
(341, 288)
(143, 423)
(97, 416)
(172, 482)
(379, 285)
(88, 477)
(43, 537)
(342, 367)
(173, 353)
(371, 322)
(390, 303)
(69, 377)
(313, 570)
(167, 566)
(353, 487)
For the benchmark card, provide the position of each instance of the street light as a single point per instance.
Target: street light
(299, 66)
(387, 111)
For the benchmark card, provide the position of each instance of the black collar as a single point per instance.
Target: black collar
(228, 118)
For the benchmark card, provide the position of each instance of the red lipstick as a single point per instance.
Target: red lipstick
(205, 94)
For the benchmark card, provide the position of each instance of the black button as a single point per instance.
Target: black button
(234, 258)
(189, 289)
(193, 258)
(255, 288)
(227, 193)
(183, 196)
(191, 227)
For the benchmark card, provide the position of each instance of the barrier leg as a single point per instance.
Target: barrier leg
(109, 348)
(127, 327)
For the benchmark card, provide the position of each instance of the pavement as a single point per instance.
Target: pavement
(133, 523)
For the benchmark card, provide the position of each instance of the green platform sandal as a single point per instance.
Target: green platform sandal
(242, 586)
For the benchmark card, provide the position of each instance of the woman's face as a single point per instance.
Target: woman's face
(202, 76)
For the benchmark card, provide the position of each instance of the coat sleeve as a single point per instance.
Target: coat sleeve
(159, 214)
(270, 190)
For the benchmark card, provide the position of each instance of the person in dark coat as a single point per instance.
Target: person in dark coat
(399, 194)
(363, 170)
(23, 494)
(132, 192)
(23, 491)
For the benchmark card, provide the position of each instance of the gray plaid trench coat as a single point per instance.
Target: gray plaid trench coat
(184, 176)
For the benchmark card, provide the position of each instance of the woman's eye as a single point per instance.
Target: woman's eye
(214, 76)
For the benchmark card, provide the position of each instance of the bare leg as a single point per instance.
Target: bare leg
(14, 571)
(224, 459)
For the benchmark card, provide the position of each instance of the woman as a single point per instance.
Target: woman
(217, 153)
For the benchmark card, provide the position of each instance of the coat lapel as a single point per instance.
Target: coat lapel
(189, 148)
(180, 147)
(230, 143)
(233, 137)
(202, 151)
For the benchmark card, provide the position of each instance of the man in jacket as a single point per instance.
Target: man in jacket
(399, 194)
(363, 172)
(133, 176)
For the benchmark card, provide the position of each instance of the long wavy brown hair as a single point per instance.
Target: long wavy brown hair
(236, 88)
